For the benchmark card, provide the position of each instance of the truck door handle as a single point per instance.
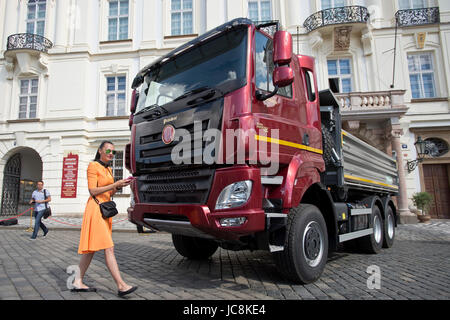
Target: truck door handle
(305, 140)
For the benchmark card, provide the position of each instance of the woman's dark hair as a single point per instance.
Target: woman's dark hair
(97, 155)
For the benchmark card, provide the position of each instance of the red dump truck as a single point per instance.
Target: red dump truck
(233, 146)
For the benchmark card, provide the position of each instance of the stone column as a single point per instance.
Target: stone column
(405, 216)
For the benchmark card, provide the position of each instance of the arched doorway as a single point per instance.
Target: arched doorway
(11, 186)
(22, 170)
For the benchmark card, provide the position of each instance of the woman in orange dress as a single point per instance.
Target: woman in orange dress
(95, 230)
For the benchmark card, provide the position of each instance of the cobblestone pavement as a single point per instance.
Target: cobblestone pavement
(416, 267)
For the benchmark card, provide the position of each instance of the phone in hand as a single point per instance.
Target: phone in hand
(130, 178)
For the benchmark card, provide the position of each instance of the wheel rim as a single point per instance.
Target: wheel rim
(313, 243)
(377, 229)
(390, 226)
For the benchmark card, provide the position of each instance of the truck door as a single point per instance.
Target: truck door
(283, 111)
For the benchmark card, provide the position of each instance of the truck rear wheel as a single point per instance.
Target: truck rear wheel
(389, 228)
(372, 243)
(306, 245)
(194, 248)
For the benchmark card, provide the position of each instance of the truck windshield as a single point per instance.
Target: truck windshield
(218, 64)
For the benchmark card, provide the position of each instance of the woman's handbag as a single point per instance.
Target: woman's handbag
(108, 208)
(48, 210)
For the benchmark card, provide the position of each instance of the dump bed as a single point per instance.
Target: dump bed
(367, 167)
(354, 163)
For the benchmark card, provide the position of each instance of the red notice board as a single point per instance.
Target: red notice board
(69, 176)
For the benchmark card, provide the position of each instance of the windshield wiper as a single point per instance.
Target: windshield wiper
(158, 111)
(192, 92)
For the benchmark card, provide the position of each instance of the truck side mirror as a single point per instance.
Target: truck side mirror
(283, 76)
(282, 48)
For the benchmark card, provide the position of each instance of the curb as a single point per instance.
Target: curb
(62, 229)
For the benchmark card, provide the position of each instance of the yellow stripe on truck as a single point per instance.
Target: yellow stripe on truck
(288, 144)
(369, 181)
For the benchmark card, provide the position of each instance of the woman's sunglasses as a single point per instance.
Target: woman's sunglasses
(108, 151)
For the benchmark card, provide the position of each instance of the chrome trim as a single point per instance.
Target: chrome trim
(271, 179)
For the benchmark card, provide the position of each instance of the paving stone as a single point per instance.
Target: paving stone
(38, 271)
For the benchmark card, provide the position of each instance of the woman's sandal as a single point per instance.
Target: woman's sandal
(83, 290)
(124, 293)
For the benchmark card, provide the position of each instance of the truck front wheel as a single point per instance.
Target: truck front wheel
(194, 248)
(306, 245)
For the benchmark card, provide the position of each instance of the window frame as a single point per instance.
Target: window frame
(181, 11)
(333, 5)
(339, 75)
(116, 93)
(425, 4)
(117, 18)
(420, 72)
(259, 9)
(28, 95)
(36, 18)
(115, 168)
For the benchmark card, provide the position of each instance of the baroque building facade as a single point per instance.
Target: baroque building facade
(66, 68)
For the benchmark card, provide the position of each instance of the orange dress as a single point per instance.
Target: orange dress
(96, 231)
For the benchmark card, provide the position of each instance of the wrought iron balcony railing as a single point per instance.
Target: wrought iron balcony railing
(339, 15)
(416, 17)
(28, 41)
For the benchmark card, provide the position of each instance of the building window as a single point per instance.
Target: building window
(259, 10)
(264, 66)
(340, 75)
(118, 20)
(115, 96)
(181, 17)
(117, 167)
(28, 98)
(327, 4)
(413, 4)
(421, 75)
(436, 147)
(36, 17)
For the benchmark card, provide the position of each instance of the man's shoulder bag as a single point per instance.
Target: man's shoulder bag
(48, 210)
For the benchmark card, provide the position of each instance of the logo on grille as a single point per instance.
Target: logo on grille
(168, 134)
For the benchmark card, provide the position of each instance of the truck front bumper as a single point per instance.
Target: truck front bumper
(202, 220)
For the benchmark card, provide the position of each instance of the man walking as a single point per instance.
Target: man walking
(40, 198)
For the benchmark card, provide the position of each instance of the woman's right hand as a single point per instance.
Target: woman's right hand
(122, 183)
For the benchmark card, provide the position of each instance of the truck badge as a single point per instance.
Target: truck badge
(168, 134)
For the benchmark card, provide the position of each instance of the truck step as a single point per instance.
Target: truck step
(356, 212)
(354, 235)
(274, 248)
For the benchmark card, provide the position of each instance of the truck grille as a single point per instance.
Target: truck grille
(160, 180)
(180, 186)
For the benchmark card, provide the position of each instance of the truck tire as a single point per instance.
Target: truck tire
(194, 248)
(372, 243)
(306, 245)
(389, 228)
(327, 146)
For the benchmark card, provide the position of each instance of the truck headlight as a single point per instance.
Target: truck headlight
(234, 195)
